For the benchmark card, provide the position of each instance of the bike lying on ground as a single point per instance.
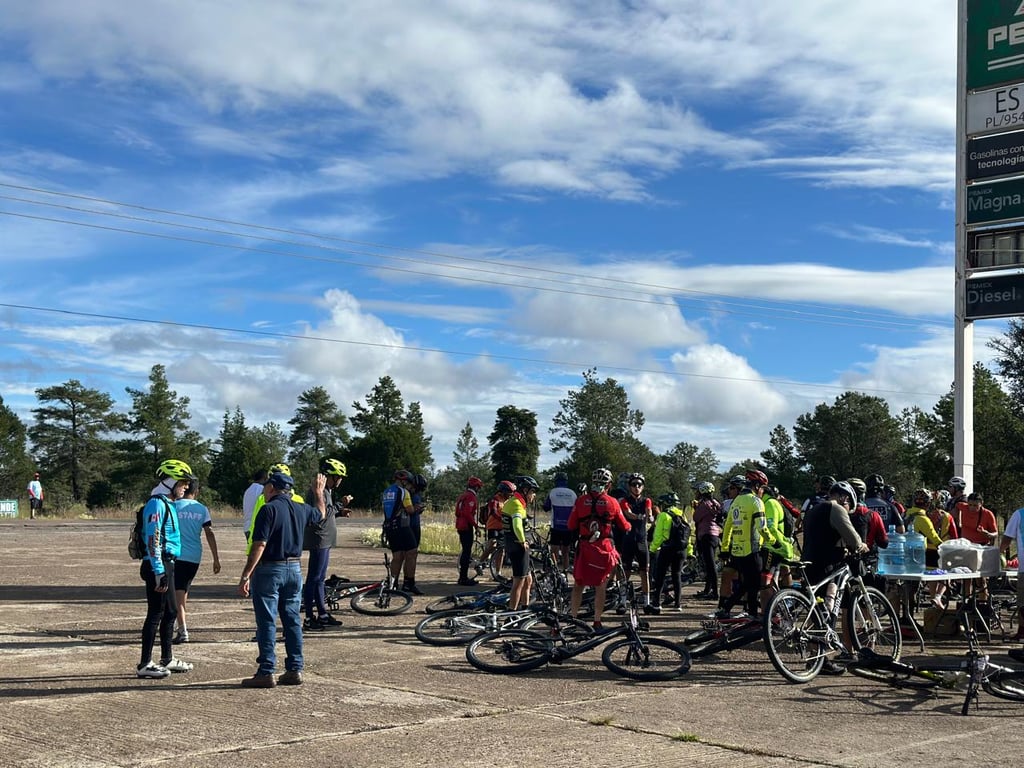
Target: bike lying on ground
(627, 653)
(457, 627)
(800, 632)
(375, 598)
(973, 671)
(723, 634)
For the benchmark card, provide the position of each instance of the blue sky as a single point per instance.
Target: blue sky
(737, 210)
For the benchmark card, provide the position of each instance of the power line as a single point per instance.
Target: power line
(644, 288)
(790, 314)
(575, 365)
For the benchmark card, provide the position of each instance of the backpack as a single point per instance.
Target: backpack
(679, 533)
(137, 549)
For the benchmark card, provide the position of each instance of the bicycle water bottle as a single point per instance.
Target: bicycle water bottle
(897, 553)
(885, 556)
(914, 552)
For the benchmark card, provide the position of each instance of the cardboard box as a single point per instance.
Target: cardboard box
(940, 623)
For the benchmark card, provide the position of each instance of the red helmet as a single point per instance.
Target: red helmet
(756, 477)
(475, 483)
(507, 486)
(403, 474)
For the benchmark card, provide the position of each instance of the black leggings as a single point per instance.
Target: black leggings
(667, 558)
(749, 568)
(466, 540)
(707, 549)
(161, 613)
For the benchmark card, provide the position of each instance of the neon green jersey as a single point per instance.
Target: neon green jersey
(743, 525)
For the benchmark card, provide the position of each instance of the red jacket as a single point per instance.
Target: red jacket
(465, 511)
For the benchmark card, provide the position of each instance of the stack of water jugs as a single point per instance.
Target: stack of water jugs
(904, 555)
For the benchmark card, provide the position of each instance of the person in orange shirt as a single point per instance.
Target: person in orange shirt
(976, 523)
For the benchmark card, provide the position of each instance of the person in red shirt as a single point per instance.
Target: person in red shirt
(466, 525)
(593, 517)
(975, 522)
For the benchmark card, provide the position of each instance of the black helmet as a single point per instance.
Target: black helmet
(561, 477)
(668, 498)
(527, 483)
(419, 482)
(825, 482)
(874, 482)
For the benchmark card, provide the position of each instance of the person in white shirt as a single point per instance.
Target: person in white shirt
(35, 497)
(252, 494)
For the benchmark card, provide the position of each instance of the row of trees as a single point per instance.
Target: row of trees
(91, 454)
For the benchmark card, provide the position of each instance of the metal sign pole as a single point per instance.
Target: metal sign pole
(963, 331)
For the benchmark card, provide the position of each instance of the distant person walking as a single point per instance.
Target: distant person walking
(194, 521)
(35, 497)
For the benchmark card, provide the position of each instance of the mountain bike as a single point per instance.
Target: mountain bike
(471, 599)
(457, 627)
(723, 634)
(968, 674)
(800, 627)
(375, 598)
(626, 652)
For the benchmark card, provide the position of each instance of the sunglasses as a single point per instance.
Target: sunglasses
(636, 485)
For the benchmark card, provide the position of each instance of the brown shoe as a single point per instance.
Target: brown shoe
(259, 681)
(291, 677)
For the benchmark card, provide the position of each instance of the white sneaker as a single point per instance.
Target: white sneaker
(151, 670)
(177, 665)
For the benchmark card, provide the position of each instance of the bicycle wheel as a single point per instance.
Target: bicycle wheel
(874, 624)
(454, 627)
(511, 651)
(381, 602)
(705, 643)
(499, 566)
(1008, 684)
(458, 601)
(743, 635)
(791, 631)
(650, 658)
(897, 678)
(572, 629)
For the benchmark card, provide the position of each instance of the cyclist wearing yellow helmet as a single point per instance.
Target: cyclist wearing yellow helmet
(163, 545)
(280, 468)
(319, 539)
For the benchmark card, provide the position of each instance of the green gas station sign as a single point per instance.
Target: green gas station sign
(995, 42)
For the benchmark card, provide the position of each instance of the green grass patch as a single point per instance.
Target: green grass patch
(685, 737)
(606, 720)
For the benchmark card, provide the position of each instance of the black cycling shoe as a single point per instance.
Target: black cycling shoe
(653, 609)
(312, 626)
(329, 621)
(832, 668)
(412, 589)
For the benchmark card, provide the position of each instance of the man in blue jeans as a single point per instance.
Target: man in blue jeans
(272, 576)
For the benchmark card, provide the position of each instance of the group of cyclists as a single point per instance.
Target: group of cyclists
(742, 536)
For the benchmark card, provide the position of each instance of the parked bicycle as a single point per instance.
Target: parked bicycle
(626, 652)
(800, 623)
(375, 598)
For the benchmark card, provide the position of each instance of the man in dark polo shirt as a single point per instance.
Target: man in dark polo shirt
(272, 575)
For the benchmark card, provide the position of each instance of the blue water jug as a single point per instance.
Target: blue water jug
(884, 555)
(897, 554)
(914, 552)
